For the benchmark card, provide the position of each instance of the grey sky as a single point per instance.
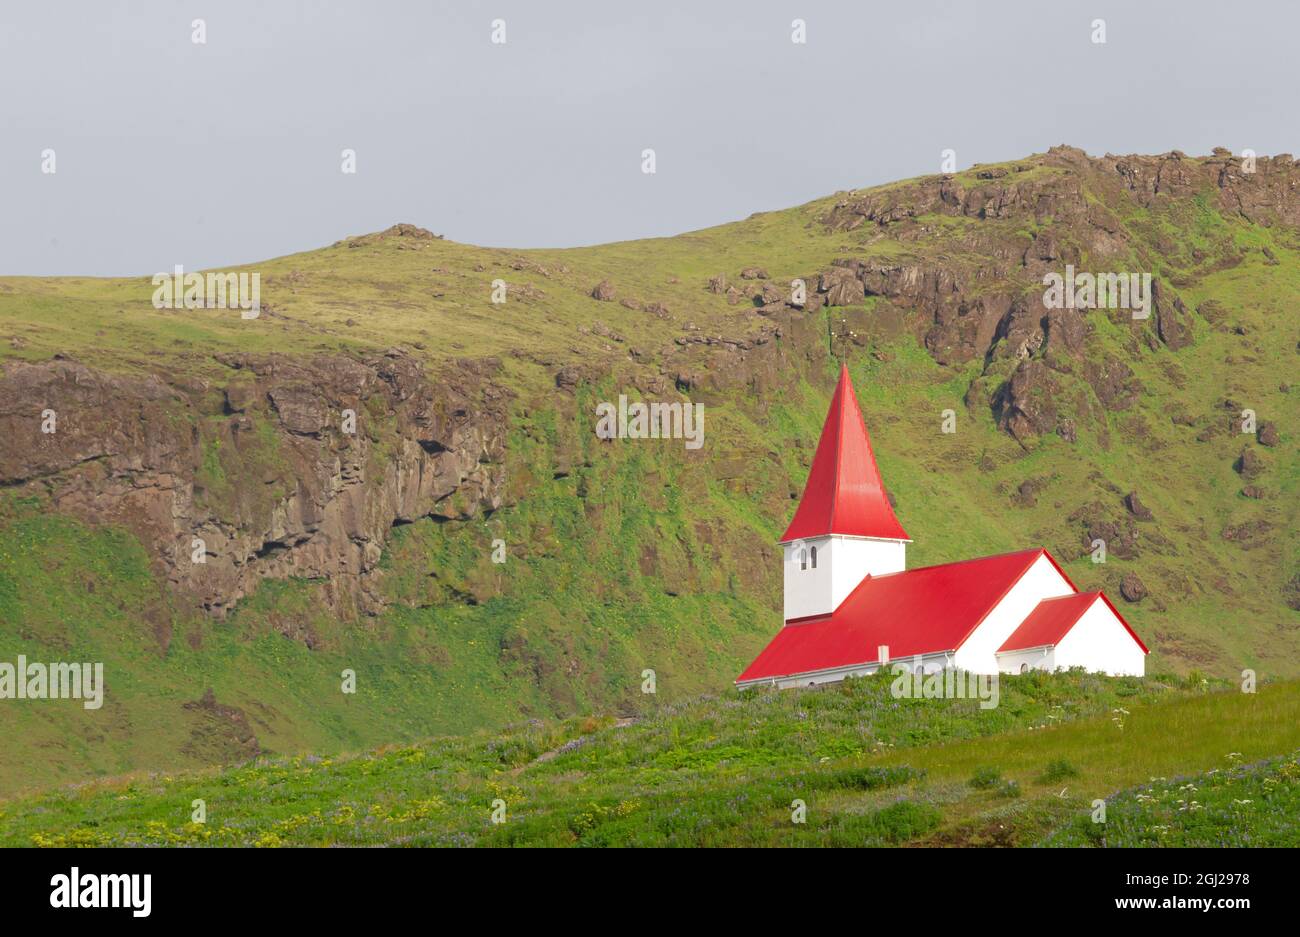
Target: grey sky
(229, 152)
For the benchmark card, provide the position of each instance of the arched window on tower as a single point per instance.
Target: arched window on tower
(813, 550)
(803, 558)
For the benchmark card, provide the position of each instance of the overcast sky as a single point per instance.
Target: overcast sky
(227, 152)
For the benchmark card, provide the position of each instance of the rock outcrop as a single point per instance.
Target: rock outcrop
(1026, 404)
(1132, 588)
(982, 297)
(296, 467)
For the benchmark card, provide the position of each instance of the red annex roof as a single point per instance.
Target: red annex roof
(1052, 619)
(917, 611)
(844, 493)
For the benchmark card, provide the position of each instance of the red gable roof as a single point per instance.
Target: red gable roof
(917, 611)
(844, 493)
(1050, 621)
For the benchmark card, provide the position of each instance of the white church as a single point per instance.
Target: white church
(852, 606)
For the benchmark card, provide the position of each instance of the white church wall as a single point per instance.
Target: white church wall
(808, 589)
(842, 562)
(1100, 643)
(1030, 658)
(824, 676)
(1040, 581)
(856, 557)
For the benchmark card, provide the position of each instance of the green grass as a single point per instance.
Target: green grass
(867, 769)
(1239, 805)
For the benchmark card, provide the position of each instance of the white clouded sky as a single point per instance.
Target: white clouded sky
(229, 152)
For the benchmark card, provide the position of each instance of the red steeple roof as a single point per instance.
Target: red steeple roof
(844, 493)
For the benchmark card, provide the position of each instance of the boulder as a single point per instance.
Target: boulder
(1249, 464)
(772, 295)
(1136, 507)
(567, 378)
(1026, 404)
(842, 287)
(1173, 324)
(240, 397)
(1291, 592)
(1132, 588)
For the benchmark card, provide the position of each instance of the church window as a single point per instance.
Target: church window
(814, 557)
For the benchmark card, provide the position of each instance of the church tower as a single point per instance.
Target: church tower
(844, 528)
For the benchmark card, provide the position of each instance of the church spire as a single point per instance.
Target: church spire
(844, 494)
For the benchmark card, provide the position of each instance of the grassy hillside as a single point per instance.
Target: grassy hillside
(630, 556)
(1238, 805)
(869, 768)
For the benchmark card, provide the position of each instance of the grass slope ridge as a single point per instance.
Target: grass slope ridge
(870, 769)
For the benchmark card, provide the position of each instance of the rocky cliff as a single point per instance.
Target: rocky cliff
(290, 467)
